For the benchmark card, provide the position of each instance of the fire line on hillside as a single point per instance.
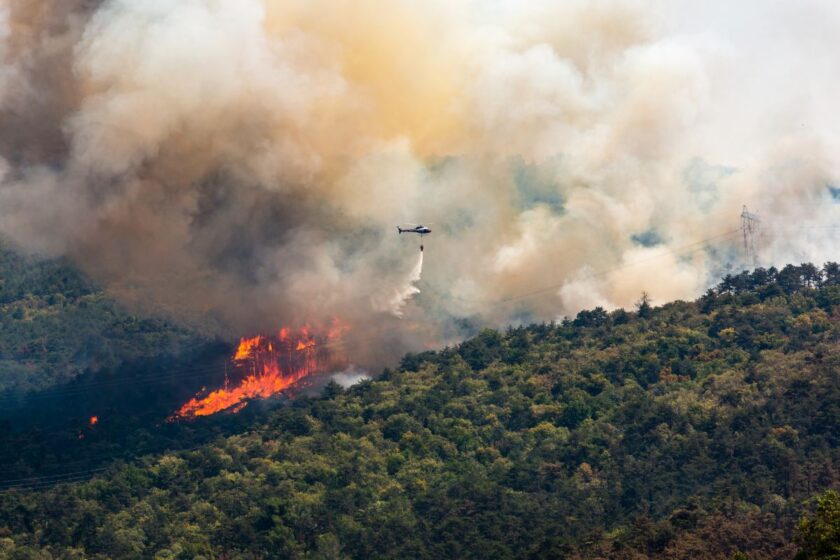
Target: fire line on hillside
(265, 365)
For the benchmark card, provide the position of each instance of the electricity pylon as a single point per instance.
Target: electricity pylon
(750, 230)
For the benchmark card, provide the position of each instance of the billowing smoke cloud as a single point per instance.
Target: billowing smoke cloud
(242, 163)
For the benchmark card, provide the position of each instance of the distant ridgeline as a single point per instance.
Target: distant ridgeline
(55, 323)
(692, 430)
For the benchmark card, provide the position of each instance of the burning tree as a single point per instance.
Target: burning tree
(264, 366)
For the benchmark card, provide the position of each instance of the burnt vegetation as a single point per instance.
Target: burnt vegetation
(692, 430)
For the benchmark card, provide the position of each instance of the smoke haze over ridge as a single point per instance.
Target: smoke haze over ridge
(247, 160)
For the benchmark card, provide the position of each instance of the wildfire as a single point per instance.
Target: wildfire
(266, 366)
(247, 347)
(94, 420)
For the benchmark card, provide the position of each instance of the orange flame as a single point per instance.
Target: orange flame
(266, 367)
(246, 347)
(94, 420)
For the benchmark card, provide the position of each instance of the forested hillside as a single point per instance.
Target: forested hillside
(55, 324)
(692, 430)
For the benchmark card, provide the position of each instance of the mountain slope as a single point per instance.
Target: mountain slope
(693, 430)
(55, 324)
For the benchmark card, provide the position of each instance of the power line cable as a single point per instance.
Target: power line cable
(42, 482)
(187, 373)
(689, 248)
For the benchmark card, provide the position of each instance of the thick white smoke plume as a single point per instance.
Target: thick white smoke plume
(243, 162)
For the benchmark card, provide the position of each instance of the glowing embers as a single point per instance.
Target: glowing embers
(265, 366)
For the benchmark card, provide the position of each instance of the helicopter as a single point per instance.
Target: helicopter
(419, 229)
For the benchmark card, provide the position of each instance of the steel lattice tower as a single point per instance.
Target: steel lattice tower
(750, 230)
